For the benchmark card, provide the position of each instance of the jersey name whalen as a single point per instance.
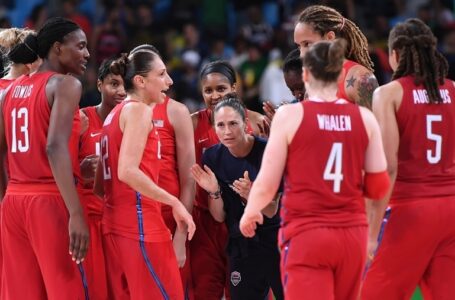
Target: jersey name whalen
(421, 96)
(334, 122)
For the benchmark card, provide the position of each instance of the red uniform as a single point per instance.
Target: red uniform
(347, 65)
(94, 261)
(34, 217)
(169, 181)
(144, 270)
(420, 236)
(324, 227)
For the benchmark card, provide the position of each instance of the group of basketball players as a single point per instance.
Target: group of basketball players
(151, 202)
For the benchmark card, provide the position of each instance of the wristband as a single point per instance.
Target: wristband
(216, 195)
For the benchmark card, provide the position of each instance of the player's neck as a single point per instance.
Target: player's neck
(320, 92)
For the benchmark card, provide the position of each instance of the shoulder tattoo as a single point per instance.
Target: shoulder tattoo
(365, 87)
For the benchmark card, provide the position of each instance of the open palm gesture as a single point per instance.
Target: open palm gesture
(205, 178)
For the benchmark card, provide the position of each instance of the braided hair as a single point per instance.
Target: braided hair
(324, 19)
(415, 45)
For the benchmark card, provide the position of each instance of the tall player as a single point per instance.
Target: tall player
(41, 215)
(208, 265)
(324, 145)
(112, 93)
(140, 259)
(416, 114)
(318, 22)
(173, 123)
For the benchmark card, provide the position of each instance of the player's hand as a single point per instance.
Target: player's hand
(371, 249)
(79, 237)
(183, 219)
(264, 128)
(205, 178)
(249, 221)
(88, 167)
(178, 242)
(242, 186)
(269, 110)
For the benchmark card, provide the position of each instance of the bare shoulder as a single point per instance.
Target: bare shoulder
(63, 81)
(390, 93)
(176, 107)
(288, 115)
(178, 114)
(287, 120)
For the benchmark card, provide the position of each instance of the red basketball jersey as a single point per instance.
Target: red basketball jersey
(26, 114)
(4, 83)
(120, 215)
(168, 178)
(347, 65)
(90, 144)
(323, 176)
(426, 156)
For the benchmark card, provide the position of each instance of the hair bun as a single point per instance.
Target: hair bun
(118, 66)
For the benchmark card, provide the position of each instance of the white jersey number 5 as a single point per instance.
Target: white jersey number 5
(434, 158)
(333, 167)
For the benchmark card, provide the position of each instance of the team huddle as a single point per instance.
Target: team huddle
(346, 193)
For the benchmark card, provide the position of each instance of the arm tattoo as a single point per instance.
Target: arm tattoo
(350, 82)
(366, 86)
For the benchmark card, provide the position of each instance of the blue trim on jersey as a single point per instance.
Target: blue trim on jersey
(380, 236)
(84, 280)
(285, 258)
(142, 246)
(187, 292)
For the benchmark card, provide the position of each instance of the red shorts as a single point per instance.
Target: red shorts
(185, 272)
(324, 263)
(418, 247)
(130, 276)
(94, 261)
(35, 241)
(208, 257)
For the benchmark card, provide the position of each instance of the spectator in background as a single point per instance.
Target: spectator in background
(144, 30)
(109, 38)
(256, 30)
(187, 87)
(69, 10)
(250, 73)
(272, 86)
(37, 17)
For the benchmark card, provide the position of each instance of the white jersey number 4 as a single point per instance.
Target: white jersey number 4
(434, 157)
(333, 167)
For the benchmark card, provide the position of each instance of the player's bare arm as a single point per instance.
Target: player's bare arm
(360, 84)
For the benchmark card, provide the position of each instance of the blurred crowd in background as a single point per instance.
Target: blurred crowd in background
(253, 35)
